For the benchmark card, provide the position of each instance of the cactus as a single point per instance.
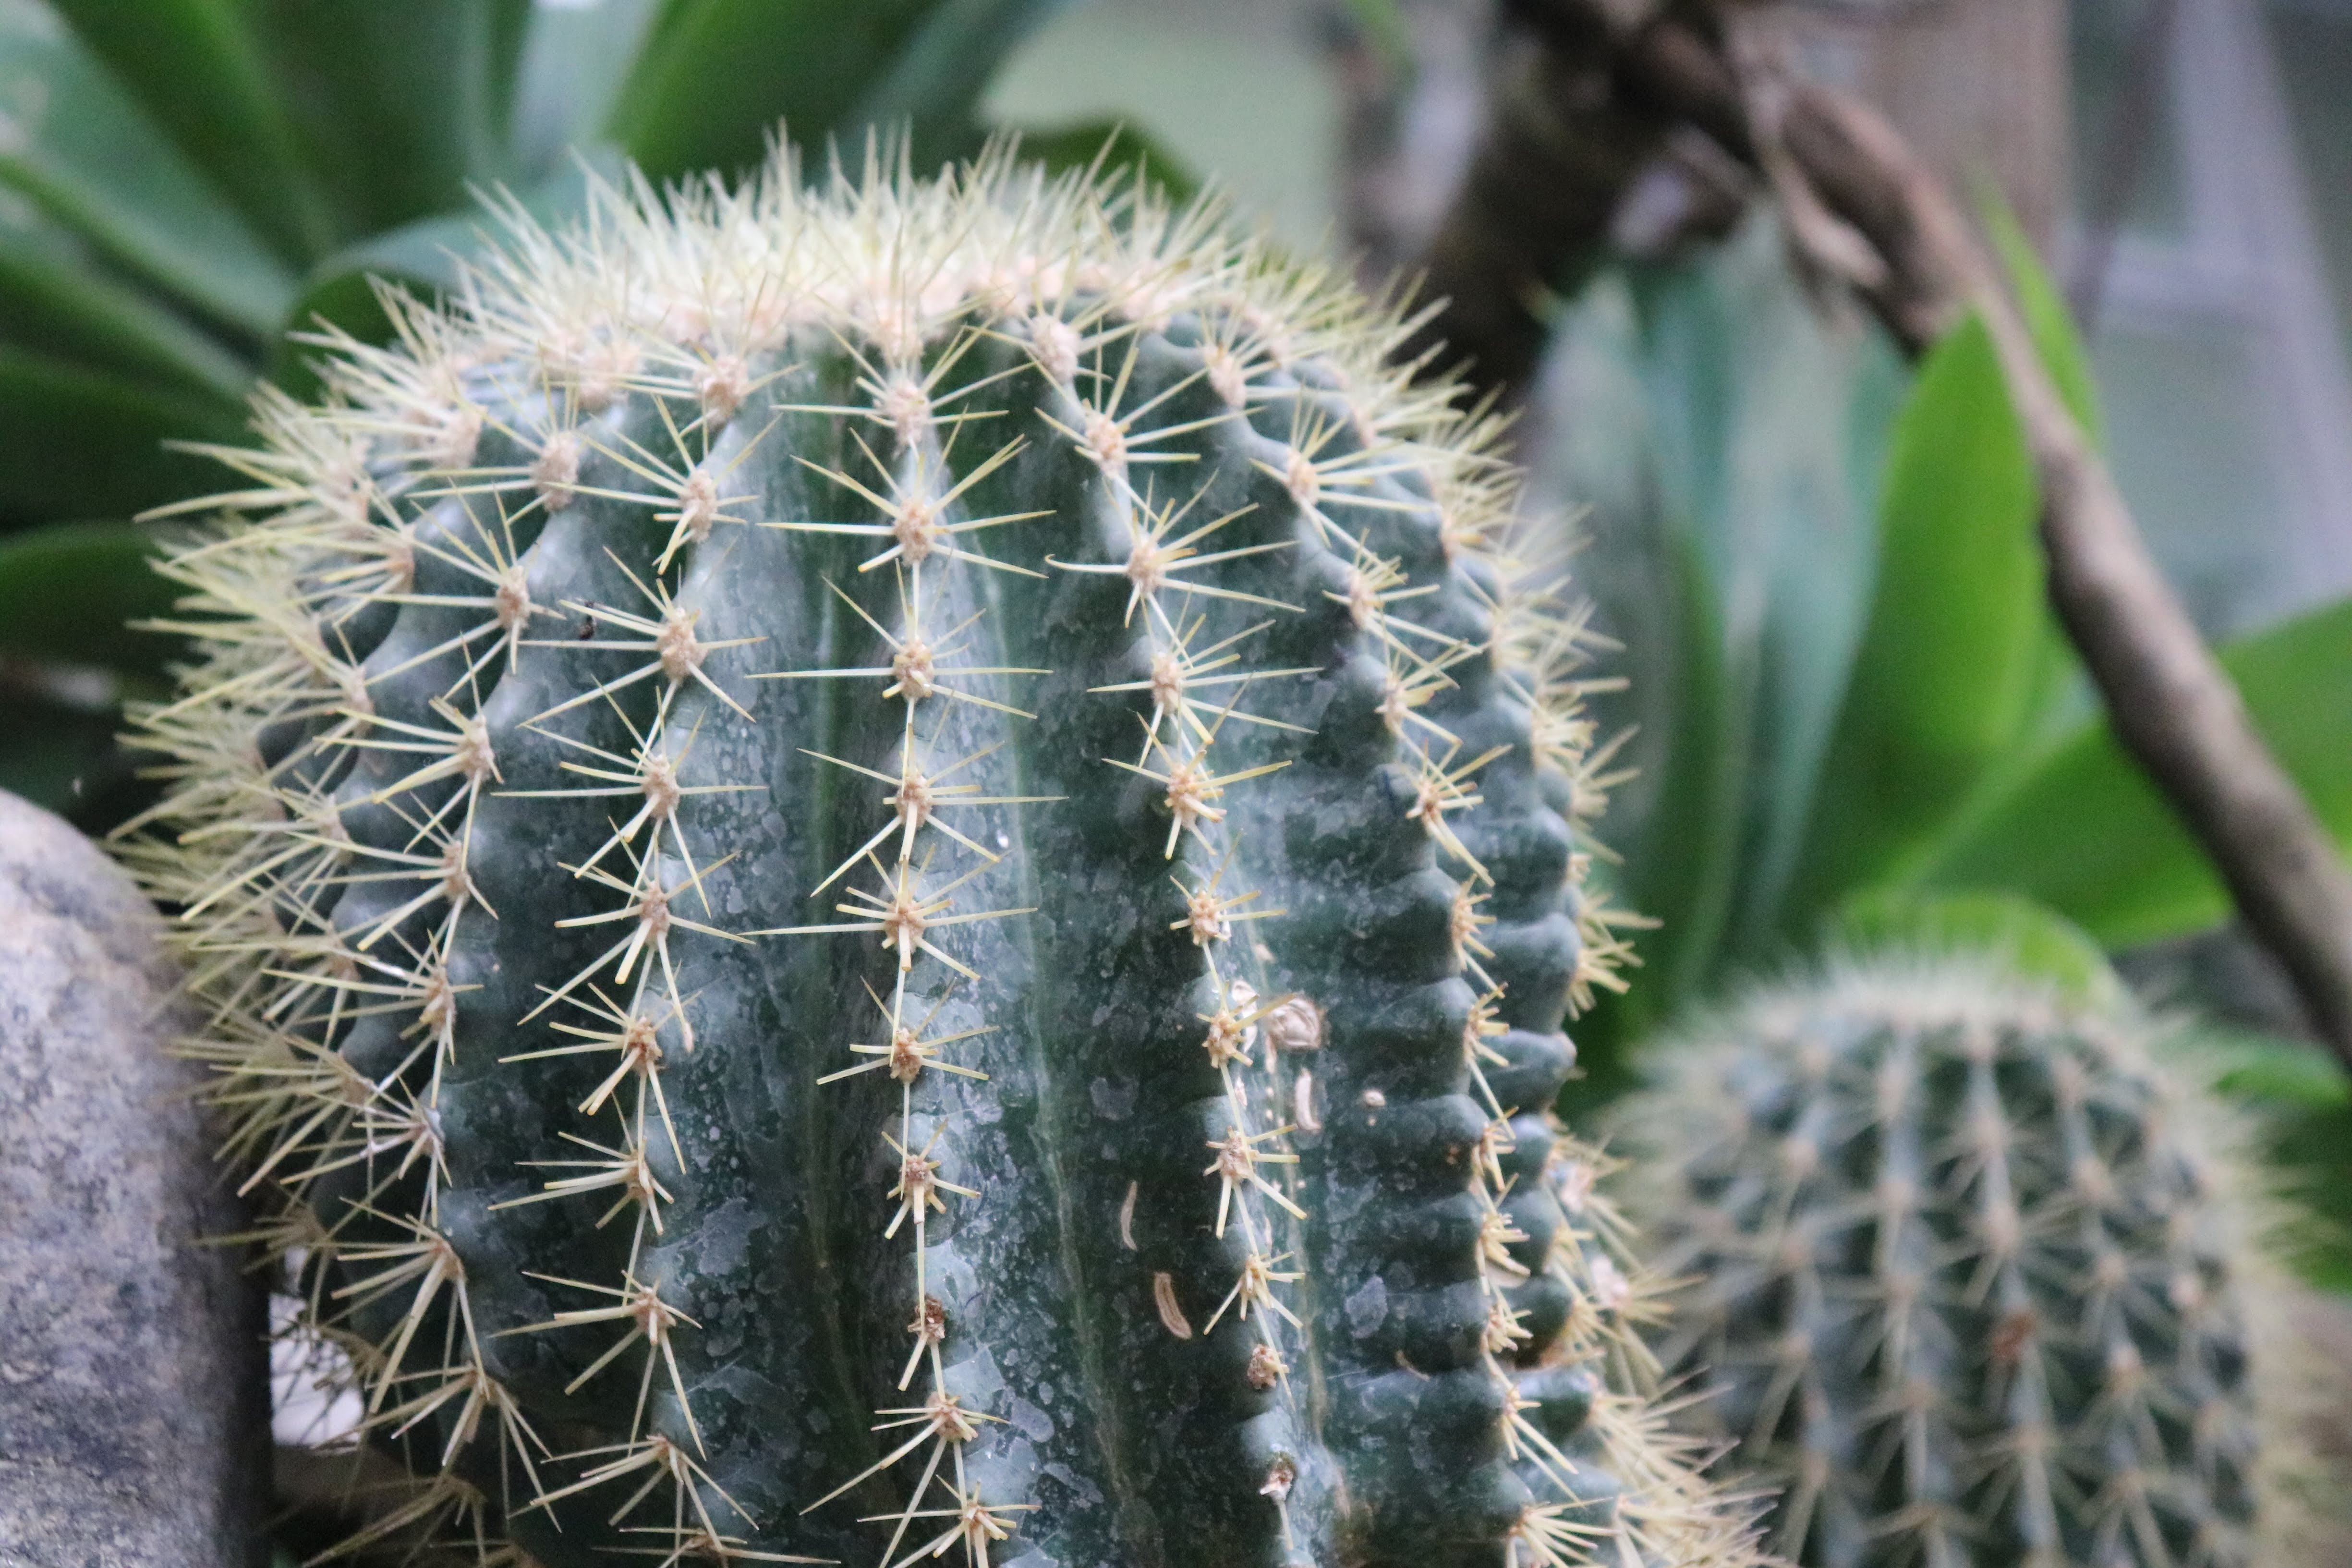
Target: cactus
(888, 869)
(1971, 1272)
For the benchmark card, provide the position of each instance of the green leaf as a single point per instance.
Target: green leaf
(2267, 1069)
(573, 67)
(2083, 831)
(59, 757)
(195, 68)
(1113, 147)
(718, 77)
(2047, 320)
(1689, 891)
(70, 591)
(2032, 940)
(398, 108)
(1683, 872)
(2061, 689)
(55, 300)
(83, 150)
(1725, 443)
(2301, 1102)
(1944, 681)
(78, 443)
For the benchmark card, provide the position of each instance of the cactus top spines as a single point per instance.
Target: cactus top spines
(890, 869)
(1966, 1272)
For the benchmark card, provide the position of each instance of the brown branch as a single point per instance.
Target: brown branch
(1565, 135)
(2171, 705)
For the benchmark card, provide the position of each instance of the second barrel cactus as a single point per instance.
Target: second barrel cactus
(1968, 1278)
(893, 870)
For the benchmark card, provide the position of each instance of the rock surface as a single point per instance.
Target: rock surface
(133, 1391)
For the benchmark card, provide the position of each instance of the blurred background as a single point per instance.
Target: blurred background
(182, 212)
(1811, 559)
(2186, 166)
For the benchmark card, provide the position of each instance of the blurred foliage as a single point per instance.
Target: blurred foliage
(1855, 718)
(186, 184)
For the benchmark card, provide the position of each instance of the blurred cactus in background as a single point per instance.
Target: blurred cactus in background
(1968, 1277)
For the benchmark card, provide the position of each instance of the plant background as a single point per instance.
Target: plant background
(1848, 710)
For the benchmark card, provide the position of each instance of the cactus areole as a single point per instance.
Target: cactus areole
(1967, 1273)
(889, 870)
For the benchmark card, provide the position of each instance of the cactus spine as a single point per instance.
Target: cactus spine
(889, 869)
(1970, 1272)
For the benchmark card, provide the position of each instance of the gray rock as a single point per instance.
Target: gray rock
(134, 1390)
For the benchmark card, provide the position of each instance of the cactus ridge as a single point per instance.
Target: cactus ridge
(1967, 1274)
(889, 868)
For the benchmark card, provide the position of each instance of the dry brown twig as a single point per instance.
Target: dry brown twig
(1862, 207)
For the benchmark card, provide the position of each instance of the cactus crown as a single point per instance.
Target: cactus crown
(891, 867)
(1968, 1275)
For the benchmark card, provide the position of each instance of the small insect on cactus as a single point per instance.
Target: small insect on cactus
(1967, 1276)
(891, 869)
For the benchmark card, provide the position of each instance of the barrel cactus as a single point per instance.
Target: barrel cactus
(1968, 1276)
(891, 867)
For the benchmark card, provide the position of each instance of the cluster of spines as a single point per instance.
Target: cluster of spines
(712, 284)
(1992, 1213)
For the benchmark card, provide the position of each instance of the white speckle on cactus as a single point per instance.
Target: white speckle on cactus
(1611, 1288)
(1295, 1025)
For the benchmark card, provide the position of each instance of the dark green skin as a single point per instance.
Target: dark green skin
(1133, 1446)
(1779, 1155)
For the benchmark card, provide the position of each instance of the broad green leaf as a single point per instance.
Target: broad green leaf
(1682, 871)
(2083, 831)
(78, 443)
(1723, 439)
(1112, 147)
(55, 299)
(2301, 1105)
(68, 592)
(62, 757)
(2062, 691)
(2047, 318)
(2029, 939)
(1945, 679)
(75, 144)
(195, 68)
(2267, 1069)
(934, 85)
(1686, 872)
(718, 78)
(1640, 466)
(398, 108)
(572, 66)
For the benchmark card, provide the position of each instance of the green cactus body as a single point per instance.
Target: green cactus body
(893, 869)
(1967, 1275)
